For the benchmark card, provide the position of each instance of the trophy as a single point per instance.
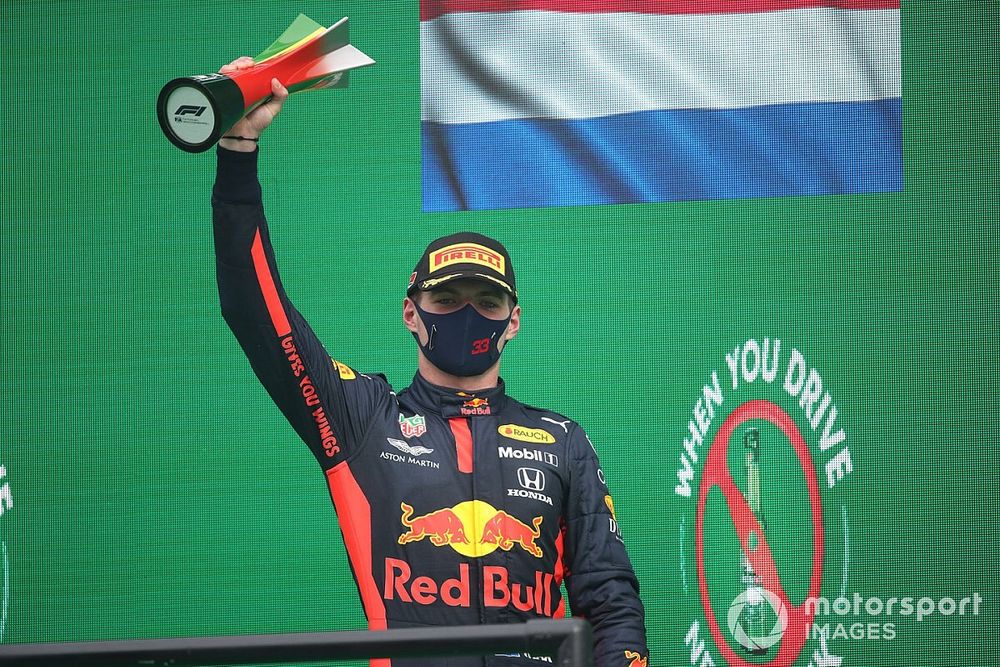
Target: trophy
(195, 111)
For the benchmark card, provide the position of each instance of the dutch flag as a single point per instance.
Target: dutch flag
(528, 103)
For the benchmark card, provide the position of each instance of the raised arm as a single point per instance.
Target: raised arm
(327, 403)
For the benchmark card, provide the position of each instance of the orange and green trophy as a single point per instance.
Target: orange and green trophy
(195, 111)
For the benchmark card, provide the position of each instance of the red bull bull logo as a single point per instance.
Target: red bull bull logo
(636, 659)
(505, 531)
(476, 406)
(472, 528)
(441, 527)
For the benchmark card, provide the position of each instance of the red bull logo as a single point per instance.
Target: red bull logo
(636, 659)
(498, 588)
(476, 406)
(472, 528)
(505, 531)
(441, 527)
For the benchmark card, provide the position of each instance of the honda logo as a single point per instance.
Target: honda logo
(532, 479)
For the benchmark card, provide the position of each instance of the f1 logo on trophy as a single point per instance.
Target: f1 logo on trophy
(195, 111)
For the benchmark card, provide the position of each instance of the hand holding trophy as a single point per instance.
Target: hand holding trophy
(254, 123)
(194, 112)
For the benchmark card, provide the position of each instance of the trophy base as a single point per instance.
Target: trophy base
(195, 111)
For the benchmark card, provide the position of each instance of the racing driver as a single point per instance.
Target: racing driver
(457, 504)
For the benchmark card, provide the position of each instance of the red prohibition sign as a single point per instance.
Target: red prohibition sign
(717, 474)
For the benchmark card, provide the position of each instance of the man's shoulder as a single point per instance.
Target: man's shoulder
(354, 381)
(544, 417)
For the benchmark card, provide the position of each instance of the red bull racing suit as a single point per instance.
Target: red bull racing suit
(455, 508)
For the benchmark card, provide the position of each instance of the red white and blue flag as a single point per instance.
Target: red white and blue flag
(528, 103)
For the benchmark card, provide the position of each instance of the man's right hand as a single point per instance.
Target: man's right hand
(257, 120)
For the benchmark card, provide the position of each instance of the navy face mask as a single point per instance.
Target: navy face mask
(461, 343)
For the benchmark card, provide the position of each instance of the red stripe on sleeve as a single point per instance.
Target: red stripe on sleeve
(355, 518)
(560, 612)
(431, 9)
(267, 288)
(463, 442)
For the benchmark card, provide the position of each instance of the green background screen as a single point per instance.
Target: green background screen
(151, 489)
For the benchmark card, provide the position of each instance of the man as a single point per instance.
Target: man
(457, 504)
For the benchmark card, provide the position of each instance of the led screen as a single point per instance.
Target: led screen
(756, 254)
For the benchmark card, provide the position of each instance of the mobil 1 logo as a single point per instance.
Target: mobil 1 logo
(529, 455)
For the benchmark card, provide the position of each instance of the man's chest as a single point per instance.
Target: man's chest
(475, 483)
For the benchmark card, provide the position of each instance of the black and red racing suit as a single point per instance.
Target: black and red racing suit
(454, 508)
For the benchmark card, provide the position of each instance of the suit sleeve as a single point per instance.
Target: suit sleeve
(600, 581)
(327, 403)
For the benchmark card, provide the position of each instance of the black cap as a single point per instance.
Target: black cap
(463, 255)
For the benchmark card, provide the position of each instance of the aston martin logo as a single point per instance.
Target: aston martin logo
(415, 450)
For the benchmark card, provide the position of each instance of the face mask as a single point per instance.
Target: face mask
(461, 343)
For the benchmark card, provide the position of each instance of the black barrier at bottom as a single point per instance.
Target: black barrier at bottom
(569, 640)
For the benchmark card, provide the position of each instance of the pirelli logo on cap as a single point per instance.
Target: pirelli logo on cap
(467, 253)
